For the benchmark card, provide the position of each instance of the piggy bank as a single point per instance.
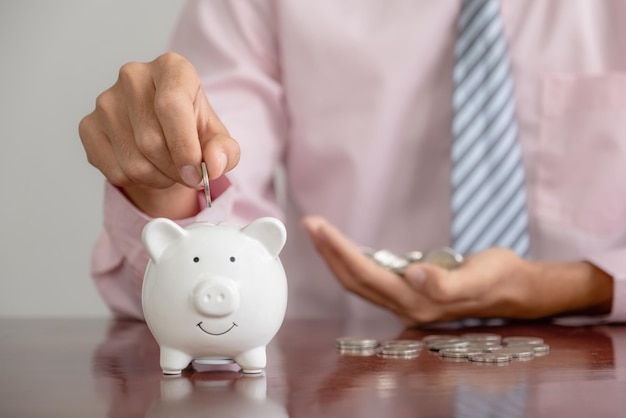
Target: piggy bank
(214, 294)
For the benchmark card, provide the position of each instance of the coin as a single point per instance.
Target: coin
(522, 340)
(490, 358)
(358, 352)
(541, 349)
(402, 343)
(413, 256)
(390, 261)
(356, 343)
(490, 348)
(517, 351)
(481, 347)
(398, 352)
(205, 182)
(459, 352)
(444, 257)
(452, 343)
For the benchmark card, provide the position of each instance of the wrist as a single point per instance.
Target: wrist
(174, 202)
(571, 288)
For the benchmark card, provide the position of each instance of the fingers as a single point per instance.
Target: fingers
(137, 88)
(99, 151)
(219, 150)
(354, 270)
(189, 124)
(109, 125)
(426, 293)
(154, 126)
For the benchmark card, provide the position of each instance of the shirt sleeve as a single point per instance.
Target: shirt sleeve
(234, 51)
(614, 263)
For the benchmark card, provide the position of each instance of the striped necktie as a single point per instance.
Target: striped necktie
(488, 192)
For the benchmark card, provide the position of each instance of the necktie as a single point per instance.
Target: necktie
(488, 192)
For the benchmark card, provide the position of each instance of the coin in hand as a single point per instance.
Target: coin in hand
(444, 257)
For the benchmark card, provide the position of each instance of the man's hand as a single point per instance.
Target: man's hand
(151, 130)
(492, 283)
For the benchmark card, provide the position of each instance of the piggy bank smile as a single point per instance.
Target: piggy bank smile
(199, 325)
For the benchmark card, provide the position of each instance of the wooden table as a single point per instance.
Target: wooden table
(98, 368)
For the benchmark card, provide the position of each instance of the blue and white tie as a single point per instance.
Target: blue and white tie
(488, 191)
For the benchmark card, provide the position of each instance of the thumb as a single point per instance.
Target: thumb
(432, 281)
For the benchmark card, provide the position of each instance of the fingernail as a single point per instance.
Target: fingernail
(312, 222)
(415, 276)
(190, 175)
(223, 162)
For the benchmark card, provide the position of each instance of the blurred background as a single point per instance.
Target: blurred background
(56, 57)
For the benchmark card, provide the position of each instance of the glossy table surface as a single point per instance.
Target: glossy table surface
(105, 368)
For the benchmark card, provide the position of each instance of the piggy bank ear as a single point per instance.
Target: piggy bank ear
(158, 234)
(268, 231)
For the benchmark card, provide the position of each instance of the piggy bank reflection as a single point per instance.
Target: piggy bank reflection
(214, 294)
(243, 396)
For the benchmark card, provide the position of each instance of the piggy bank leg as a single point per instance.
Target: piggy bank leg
(173, 361)
(252, 361)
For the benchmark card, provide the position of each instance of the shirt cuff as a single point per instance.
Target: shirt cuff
(614, 264)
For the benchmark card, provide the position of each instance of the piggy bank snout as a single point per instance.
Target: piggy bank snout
(216, 297)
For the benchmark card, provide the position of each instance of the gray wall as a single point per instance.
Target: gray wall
(56, 57)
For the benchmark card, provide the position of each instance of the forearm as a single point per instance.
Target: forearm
(570, 288)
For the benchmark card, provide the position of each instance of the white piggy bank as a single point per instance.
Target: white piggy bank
(214, 293)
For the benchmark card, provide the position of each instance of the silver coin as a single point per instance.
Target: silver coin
(358, 352)
(459, 352)
(442, 345)
(483, 344)
(356, 343)
(522, 340)
(390, 261)
(398, 351)
(517, 351)
(409, 354)
(403, 343)
(444, 257)
(490, 348)
(541, 348)
(413, 256)
(491, 358)
(205, 182)
(395, 263)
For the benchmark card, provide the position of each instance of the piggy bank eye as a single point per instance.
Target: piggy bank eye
(196, 259)
(232, 259)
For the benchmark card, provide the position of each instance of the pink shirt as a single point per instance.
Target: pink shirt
(355, 100)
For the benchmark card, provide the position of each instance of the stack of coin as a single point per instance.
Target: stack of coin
(476, 347)
(405, 349)
(536, 344)
(487, 347)
(354, 346)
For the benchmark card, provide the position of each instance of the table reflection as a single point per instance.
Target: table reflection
(227, 394)
(307, 377)
(433, 386)
(127, 372)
